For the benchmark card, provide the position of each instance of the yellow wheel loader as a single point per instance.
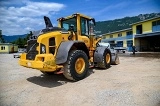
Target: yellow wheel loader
(69, 48)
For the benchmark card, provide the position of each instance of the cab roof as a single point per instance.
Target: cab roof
(73, 15)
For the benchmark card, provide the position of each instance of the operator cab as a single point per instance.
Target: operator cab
(72, 23)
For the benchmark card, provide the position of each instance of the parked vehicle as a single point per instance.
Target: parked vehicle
(18, 54)
(115, 57)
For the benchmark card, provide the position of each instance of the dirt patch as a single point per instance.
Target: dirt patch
(134, 82)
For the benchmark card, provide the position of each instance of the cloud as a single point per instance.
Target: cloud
(26, 16)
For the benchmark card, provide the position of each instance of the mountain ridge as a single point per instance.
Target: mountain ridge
(13, 37)
(122, 23)
(103, 27)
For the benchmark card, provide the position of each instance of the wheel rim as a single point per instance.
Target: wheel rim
(108, 58)
(80, 65)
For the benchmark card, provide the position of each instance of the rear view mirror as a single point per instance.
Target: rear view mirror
(94, 22)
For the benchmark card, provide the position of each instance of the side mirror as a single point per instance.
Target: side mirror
(94, 22)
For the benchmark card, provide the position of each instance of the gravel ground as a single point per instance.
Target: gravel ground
(134, 82)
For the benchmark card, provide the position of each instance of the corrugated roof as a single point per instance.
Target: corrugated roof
(145, 20)
(118, 31)
(148, 34)
(8, 44)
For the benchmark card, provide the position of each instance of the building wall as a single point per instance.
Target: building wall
(137, 44)
(124, 43)
(4, 49)
(124, 38)
(13, 48)
(115, 35)
(141, 44)
(146, 26)
(8, 48)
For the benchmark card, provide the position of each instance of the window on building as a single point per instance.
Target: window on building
(111, 36)
(119, 43)
(129, 43)
(103, 37)
(129, 33)
(120, 34)
(156, 26)
(2, 47)
(139, 29)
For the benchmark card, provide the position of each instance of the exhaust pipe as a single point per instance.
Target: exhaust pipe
(47, 22)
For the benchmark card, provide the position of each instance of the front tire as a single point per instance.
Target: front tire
(77, 65)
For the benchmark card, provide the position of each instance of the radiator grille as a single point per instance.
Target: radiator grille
(52, 44)
(31, 49)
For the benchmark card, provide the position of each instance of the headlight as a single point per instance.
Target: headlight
(43, 49)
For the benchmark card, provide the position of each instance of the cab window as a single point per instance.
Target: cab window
(84, 26)
(68, 23)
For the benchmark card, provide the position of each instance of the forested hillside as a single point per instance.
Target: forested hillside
(119, 24)
(13, 37)
(101, 26)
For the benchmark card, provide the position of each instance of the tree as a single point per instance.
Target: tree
(29, 35)
(21, 42)
(1, 37)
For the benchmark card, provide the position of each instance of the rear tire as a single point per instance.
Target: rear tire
(117, 61)
(106, 62)
(77, 65)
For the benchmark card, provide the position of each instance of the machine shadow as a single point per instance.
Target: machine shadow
(51, 81)
(90, 71)
(97, 68)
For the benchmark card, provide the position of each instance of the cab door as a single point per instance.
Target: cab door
(84, 26)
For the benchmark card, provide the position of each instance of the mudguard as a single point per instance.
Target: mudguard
(98, 55)
(63, 50)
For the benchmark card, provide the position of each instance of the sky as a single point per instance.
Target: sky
(18, 17)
